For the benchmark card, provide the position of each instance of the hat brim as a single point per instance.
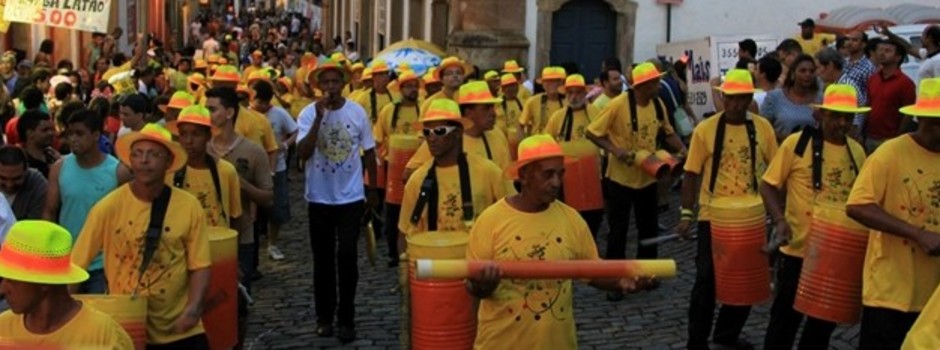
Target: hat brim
(74, 275)
(123, 149)
(735, 92)
(512, 171)
(513, 71)
(488, 101)
(314, 75)
(648, 79)
(843, 109)
(174, 128)
(420, 81)
(919, 112)
(467, 70)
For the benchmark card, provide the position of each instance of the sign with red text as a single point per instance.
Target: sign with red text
(87, 15)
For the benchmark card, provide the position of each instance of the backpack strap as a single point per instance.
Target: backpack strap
(154, 231)
(719, 148)
(179, 178)
(565, 132)
(428, 197)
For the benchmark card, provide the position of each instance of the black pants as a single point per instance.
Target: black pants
(392, 213)
(260, 229)
(593, 219)
(785, 320)
(620, 200)
(329, 224)
(378, 215)
(196, 342)
(884, 329)
(731, 318)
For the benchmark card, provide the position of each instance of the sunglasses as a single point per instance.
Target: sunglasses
(439, 131)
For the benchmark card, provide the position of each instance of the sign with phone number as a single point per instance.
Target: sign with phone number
(87, 15)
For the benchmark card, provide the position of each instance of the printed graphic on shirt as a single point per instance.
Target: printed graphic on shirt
(540, 298)
(922, 190)
(335, 146)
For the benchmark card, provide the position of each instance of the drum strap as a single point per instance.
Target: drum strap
(395, 114)
(545, 110)
(428, 197)
(810, 133)
(486, 144)
(568, 123)
(631, 104)
(373, 103)
(719, 147)
(154, 231)
(180, 177)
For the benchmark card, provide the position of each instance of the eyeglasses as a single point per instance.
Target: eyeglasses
(439, 131)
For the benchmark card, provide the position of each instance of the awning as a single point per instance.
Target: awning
(915, 14)
(849, 18)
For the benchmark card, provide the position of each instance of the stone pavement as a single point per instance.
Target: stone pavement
(283, 316)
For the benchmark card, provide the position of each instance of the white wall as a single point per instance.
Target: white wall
(699, 18)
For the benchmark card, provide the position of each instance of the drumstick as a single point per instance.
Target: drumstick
(590, 269)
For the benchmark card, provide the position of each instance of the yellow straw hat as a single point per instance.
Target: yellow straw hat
(443, 109)
(407, 76)
(532, 149)
(645, 72)
(154, 133)
(37, 251)
(511, 66)
(737, 82)
(552, 73)
(328, 64)
(476, 92)
(453, 62)
(841, 98)
(928, 100)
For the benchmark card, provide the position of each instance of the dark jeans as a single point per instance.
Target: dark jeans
(260, 229)
(329, 224)
(619, 201)
(884, 329)
(785, 320)
(731, 318)
(392, 213)
(196, 342)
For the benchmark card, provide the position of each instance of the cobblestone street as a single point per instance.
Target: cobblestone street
(283, 316)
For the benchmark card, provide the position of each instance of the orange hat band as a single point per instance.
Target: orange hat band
(931, 103)
(540, 150)
(476, 96)
(840, 100)
(735, 86)
(646, 76)
(437, 115)
(9, 255)
(226, 76)
(553, 77)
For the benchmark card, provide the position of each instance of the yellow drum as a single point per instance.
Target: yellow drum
(220, 317)
(582, 186)
(739, 231)
(442, 312)
(400, 150)
(130, 312)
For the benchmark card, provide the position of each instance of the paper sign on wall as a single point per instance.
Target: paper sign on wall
(87, 15)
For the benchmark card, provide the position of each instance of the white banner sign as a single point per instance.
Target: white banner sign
(87, 15)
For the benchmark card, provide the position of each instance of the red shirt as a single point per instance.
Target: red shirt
(887, 95)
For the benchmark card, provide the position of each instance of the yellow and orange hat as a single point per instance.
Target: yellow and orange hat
(511, 66)
(366, 74)
(841, 98)
(407, 76)
(737, 82)
(552, 73)
(181, 100)
(379, 66)
(340, 58)
(200, 64)
(289, 84)
(213, 58)
(490, 75)
(196, 78)
(308, 60)
(195, 114)
(476, 92)
(261, 74)
(431, 76)
(37, 251)
(453, 62)
(257, 54)
(243, 89)
(443, 109)
(928, 100)
(328, 64)
(508, 79)
(645, 72)
(226, 73)
(532, 149)
(573, 81)
(155, 133)
(357, 67)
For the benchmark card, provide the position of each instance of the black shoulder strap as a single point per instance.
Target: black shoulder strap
(660, 113)
(565, 132)
(180, 177)
(395, 114)
(486, 144)
(154, 230)
(719, 148)
(631, 104)
(372, 103)
(536, 129)
(428, 197)
(816, 135)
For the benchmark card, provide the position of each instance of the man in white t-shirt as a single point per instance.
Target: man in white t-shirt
(210, 46)
(332, 131)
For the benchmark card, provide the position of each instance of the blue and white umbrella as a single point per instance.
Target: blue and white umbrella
(417, 54)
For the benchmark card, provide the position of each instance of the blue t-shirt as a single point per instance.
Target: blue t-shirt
(786, 116)
(80, 189)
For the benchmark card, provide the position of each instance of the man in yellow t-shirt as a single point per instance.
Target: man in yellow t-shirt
(613, 87)
(480, 139)
(532, 225)
(621, 132)
(458, 185)
(507, 116)
(809, 40)
(214, 182)
(376, 96)
(396, 119)
(432, 84)
(812, 167)
(896, 196)
(36, 271)
(739, 163)
(174, 256)
(518, 72)
(538, 108)
(452, 72)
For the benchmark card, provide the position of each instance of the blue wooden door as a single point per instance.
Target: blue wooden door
(583, 32)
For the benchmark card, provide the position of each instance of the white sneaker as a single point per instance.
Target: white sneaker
(275, 253)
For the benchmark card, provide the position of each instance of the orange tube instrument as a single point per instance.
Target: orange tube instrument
(562, 269)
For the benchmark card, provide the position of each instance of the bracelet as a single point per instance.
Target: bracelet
(687, 212)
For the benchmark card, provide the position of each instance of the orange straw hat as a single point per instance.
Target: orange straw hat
(490, 75)
(213, 58)
(552, 73)
(366, 74)
(573, 81)
(431, 76)
(243, 89)
(841, 98)
(508, 79)
(155, 133)
(328, 64)
(227, 74)
(512, 66)
(200, 64)
(340, 59)
(532, 149)
(443, 109)
(196, 78)
(476, 92)
(453, 62)
(407, 76)
(379, 66)
(308, 60)
(180, 100)
(195, 114)
(260, 74)
(37, 251)
(357, 67)
(928, 100)
(645, 72)
(737, 82)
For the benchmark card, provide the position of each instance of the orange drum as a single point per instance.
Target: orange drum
(675, 168)
(130, 312)
(582, 176)
(400, 150)
(443, 315)
(220, 317)
(10, 344)
(650, 164)
(739, 233)
(830, 285)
